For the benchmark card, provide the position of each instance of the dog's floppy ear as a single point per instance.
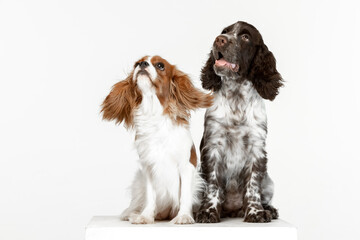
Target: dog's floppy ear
(185, 93)
(264, 75)
(209, 79)
(121, 102)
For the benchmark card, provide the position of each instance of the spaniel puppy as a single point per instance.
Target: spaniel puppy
(241, 72)
(155, 100)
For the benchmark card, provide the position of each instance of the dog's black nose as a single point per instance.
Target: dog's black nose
(220, 41)
(143, 64)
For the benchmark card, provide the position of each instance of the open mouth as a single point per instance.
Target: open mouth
(221, 62)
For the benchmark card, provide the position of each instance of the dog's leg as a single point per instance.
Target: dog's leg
(209, 211)
(267, 192)
(254, 211)
(138, 198)
(186, 195)
(148, 213)
(210, 207)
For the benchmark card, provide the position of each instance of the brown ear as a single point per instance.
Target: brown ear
(121, 102)
(266, 79)
(209, 79)
(186, 94)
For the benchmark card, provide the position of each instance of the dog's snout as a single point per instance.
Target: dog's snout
(220, 41)
(143, 64)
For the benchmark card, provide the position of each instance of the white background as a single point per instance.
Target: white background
(61, 164)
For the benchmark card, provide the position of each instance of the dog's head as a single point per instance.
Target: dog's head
(239, 52)
(155, 76)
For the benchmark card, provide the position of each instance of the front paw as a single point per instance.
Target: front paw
(140, 219)
(260, 216)
(210, 215)
(183, 219)
(274, 212)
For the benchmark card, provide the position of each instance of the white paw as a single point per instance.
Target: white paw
(124, 218)
(183, 219)
(140, 219)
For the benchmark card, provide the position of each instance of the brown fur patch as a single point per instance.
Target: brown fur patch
(176, 92)
(193, 157)
(121, 102)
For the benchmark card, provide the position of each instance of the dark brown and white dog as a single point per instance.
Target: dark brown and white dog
(242, 73)
(156, 99)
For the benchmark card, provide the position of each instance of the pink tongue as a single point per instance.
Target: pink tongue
(221, 62)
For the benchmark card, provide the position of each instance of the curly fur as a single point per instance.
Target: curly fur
(264, 75)
(209, 79)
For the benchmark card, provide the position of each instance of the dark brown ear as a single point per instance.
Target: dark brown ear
(209, 79)
(186, 94)
(121, 102)
(264, 75)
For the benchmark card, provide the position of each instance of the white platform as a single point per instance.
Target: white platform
(111, 228)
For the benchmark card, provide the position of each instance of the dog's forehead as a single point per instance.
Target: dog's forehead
(244, 27)
(143, 59)
(237, 27)
(233, 27)
(156, 59)
(240, 26)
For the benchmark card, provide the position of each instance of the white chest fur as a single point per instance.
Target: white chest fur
(163, 148)
(158, 138)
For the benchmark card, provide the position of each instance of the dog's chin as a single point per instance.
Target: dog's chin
(144, 81)
(223, 71)
(142, 73)
(143, 77)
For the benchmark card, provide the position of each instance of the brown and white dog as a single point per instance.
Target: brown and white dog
(155, 100)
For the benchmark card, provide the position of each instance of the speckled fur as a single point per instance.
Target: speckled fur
(233, 156)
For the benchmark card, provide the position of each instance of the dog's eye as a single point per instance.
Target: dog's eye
(160, 66)
(224, 31)
(245, 37)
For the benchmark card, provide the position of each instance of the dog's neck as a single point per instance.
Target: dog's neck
(239, 91)
(232, 84)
